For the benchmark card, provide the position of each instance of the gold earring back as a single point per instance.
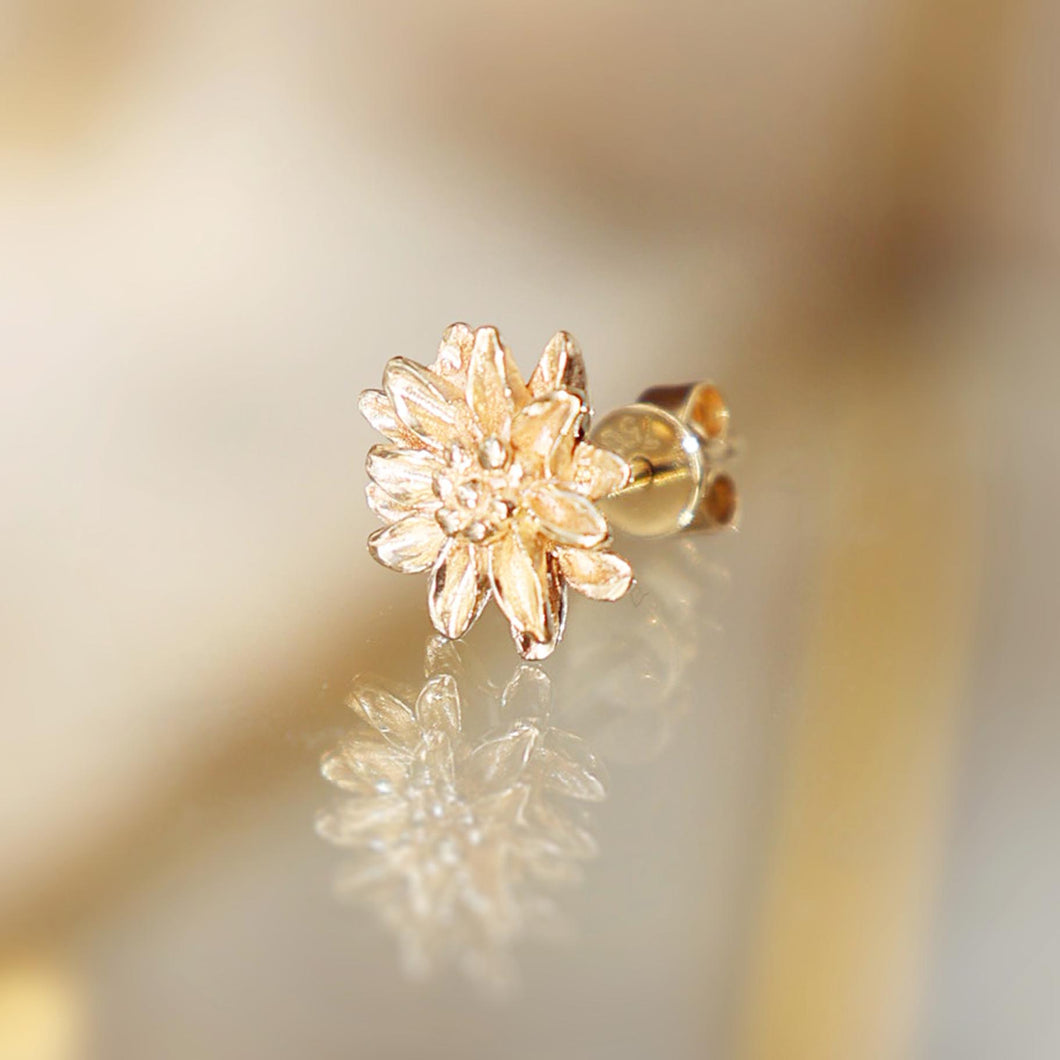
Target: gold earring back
(676, 440)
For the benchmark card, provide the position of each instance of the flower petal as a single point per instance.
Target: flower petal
(565, 516)
(454, 354)
(561, 367)
(433, 409)
(386, 507)
(518, 571)
(597, 573)
(495, 390)
(596, 472)
(556, 613)
(408, 546)
(460, 587)
(378, 410)
(406, 474)
(543, 427)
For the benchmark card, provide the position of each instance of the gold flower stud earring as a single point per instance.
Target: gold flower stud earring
(495, 486)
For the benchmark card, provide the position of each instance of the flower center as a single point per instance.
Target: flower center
(479, 491)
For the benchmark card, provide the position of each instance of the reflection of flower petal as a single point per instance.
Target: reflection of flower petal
(488, 864)
(357, 822)
(500, 761)
(527, 694)
(495, 389)
(561, 366)
(386, 714)
(599, 574)
(365, 765)
(544, 426)
(431, 408)
(406, 474)
(570, 768)
(438, 706)
(410, 545)
(504, 811)
(460, 587)
(438, 758)
(558, 835)
(519, 576)
(568, 517)
(453, 836)
(456, 658)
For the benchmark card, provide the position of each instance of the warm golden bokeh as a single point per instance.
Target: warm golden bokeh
(829, 826)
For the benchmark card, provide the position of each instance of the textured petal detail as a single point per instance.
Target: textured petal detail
(561, 367)
(454, 354)
(518, 570)
(385, 713)
(596, 472)
(495, 390)
(406, 474)
(556, 613)
(543, 428)
(460, 587)
(410, 546)
(379, 411)
(566, 516)
(597, 573)
(438, 706)
(386, 507)
(431, 408)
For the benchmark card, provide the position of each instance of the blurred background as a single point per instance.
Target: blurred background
(830, 815)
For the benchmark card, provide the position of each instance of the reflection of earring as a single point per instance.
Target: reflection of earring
(494, 485)
(460, 827)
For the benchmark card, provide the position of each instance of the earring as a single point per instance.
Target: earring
(496, 486)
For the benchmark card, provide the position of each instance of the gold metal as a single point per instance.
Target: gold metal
(676, 441)
(489, 483)
(492, 484)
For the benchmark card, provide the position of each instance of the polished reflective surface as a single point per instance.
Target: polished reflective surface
(461, 835)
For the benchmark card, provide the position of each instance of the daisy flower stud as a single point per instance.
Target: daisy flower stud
(489, 483)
